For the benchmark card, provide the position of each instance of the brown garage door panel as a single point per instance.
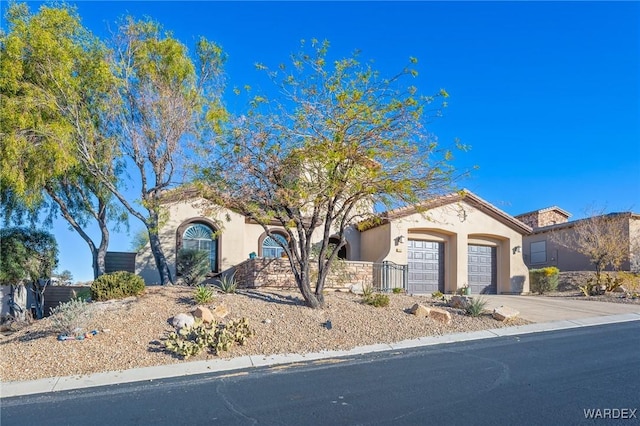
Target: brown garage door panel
(482, 269)
(426, 266)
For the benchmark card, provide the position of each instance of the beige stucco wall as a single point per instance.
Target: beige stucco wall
(237, 239)
(457, 225)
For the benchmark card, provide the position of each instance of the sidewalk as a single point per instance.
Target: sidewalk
(547, 313)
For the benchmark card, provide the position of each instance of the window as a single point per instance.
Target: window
(539, 252)
(271, 247)
(200, 237)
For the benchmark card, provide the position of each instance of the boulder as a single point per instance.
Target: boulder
(183, 320)
(505, 313)
(459, 302)
(419, 310)
(620, 289)
(357, 289)
(440, 315)
(204, 314)
(220, 312)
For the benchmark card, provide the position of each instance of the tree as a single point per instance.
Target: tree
(165, 102)
(27, 256)
(340, 141)
(55, 83)
(65, 277)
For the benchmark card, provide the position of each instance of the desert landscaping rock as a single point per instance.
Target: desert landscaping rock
(440, 315)
(505, 313)
(183, 320)
(204, 314)
(419, 310)
(459, 302)
(220, 312)
(282, 325)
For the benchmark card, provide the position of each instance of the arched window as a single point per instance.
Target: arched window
(200, 237)
(271, 248)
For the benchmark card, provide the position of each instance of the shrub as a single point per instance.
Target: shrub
(476, 306)
(228, 283)
(544, 280)
(397, 290)
(630, 280)
(116, 285)
(71, 317)
(192, 340)
(193, 266)
(203, 294)
(378, 300)
(437, 295)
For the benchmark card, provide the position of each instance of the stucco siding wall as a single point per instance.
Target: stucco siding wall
(458, 225)
(376, 244)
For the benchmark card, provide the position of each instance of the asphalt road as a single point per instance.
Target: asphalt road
(542, 378)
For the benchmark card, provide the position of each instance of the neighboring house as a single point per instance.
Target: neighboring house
(551, 225)
(442, 244)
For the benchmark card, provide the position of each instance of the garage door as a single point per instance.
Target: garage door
(426, 267)
(482, 269)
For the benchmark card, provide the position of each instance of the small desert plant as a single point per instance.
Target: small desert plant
(71, 317)
(630, 280)
(203, 294)
(612, 283)
(378, 300)
(437, 295)
(193, 266)
(544, 280)
(397, 290)
(228, 283)
(367, 291)
(190, 341)
(476, 306)
(116, 285)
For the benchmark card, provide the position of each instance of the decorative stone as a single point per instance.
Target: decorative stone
(440, 315)
(204, 314)
(420, 311)
(459, 302)
(220, 312)
(620, 289)
(183, 320)
(505, 313)
(357, 289)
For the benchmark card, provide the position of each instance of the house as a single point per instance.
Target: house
(551, 226)
(442, 245)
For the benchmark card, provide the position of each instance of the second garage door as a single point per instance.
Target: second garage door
(482, 269)
(426, 266)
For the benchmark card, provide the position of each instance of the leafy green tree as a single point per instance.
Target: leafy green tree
(339, 141)
(166, 102)
(55, 83)
(26, 257)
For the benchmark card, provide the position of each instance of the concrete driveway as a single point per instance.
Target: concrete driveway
(545, 309)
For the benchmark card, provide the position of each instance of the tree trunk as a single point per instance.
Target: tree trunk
(161, 260)
(100, 254)
(312, 299)
(18, 302)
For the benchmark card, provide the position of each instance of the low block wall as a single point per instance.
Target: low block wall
(53, 296)
(262, 272)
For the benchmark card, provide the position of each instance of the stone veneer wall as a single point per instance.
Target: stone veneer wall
(263, 272)
(541, 219)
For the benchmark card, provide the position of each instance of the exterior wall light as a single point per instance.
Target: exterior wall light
(517, 249)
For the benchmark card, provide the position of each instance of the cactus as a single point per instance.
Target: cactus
(190, 341)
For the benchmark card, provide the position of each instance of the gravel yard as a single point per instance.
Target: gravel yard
(131, 331)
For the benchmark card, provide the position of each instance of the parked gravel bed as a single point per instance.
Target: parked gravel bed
(131, 331)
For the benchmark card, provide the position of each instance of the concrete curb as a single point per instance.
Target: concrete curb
(10, 389)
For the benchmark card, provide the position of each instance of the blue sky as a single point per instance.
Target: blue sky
(547, 94)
